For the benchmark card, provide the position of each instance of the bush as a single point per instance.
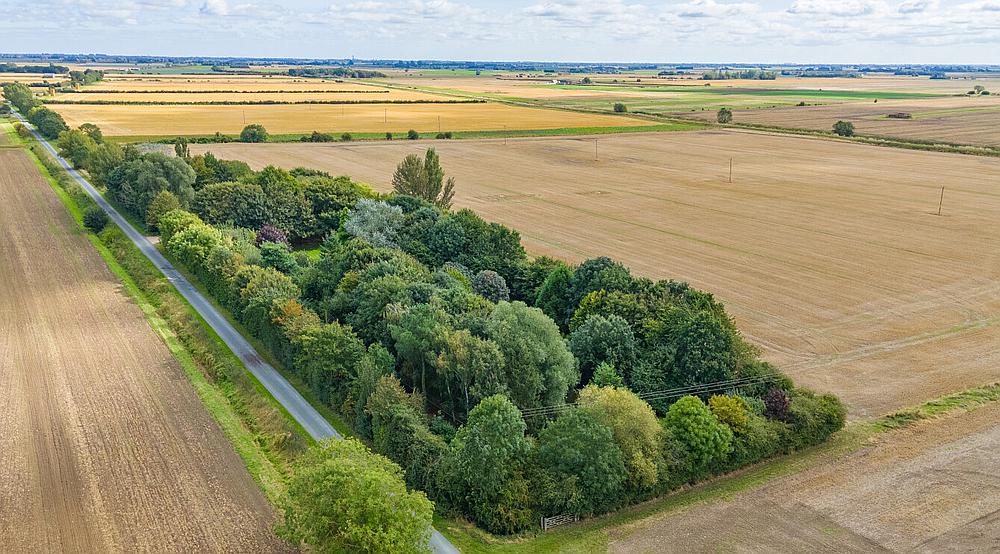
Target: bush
(843, 128)
(620, 108)
(270, 233)
(388, 136)
(95, 219)
(412, 135)
(814, 418)
(725, 115)
(346, 137)
(491, 286)
(703, 440)
(254, 132)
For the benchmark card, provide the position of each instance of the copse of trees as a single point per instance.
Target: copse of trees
(454, 355)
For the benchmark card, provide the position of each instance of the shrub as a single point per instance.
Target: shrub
(730, 410)
(607, 376)
(388, 136)
(776, 403)
(278, 256)
(634, 427)
(814, 418)
(346, 137)
(620, 108)
(843, 128)
(95, 219)
(174, 222)
(412, 135)
(725, 115)
(254, 132)
(270, 233)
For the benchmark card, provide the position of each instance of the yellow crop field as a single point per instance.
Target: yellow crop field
(119, 120)
(356, 94)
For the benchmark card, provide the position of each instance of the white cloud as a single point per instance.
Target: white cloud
(842, 8)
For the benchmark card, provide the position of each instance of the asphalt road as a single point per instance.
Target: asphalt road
(311, 420)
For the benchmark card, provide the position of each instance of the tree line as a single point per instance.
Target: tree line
(49, 123)
(505, 387)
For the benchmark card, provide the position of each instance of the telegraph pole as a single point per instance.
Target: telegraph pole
(940, 201)
(730, 170)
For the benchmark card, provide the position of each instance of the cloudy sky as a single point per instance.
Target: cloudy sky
(807, 31)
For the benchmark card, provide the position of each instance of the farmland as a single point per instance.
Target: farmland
(106, 447)
(930, 488)
(966, 120)
(827, 254)
(371, 109)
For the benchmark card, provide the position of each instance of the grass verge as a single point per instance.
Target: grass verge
(251, 421)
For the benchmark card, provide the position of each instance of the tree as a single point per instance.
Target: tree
(776, 404)
(135, 182)
(412, 135)
(424, 179)
(254, 132)
(92, 131)
(704, 350)
(733, 411)
(603, 340)
(634, 428)
(843, 128)
(581, 456)
(48, 122)
(344, 498)
(607, 376)
(702, 439)
(76, 147)
(471, 369)
(278, 256)
(620, 108)
(376, 222)
(181, 149)
(328, 356)
(95, 219)
(539, 369)
(20, 95)
(163, 202)
(482, 468)
(490, 285)
(555, 296)
(724, 116)
(102, 160)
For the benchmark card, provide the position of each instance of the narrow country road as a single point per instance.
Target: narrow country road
(311, 420)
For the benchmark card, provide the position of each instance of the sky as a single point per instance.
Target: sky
(716, 31)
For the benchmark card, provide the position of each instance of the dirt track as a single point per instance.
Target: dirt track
(105, 446)
(932, 488)
(827, 253)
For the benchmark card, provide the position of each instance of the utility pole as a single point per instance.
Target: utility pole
(385, 116)
(505, 135)
(595, 150)
(730, 170)
(940, 201)
(439, 123)
(244, 117)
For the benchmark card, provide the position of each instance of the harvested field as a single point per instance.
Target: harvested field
(356, 94)
(105, 446)
(827, 253)
(116, 120)
(966, 120)
(931, 488)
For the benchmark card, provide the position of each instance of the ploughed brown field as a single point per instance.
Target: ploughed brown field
(104, 445)
(828, 254)
(952, 119)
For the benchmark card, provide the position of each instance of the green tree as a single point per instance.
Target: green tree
(603, 340)
(635, 429)
(482, 470)
(92, 131)
(20, 95)
(343, 498)
(163, 202)
(327, 361)
(539, 368)
(607, 376)
(48, 122)
(555, 296)
(490, 285)
(843, 128)
(424, 179)
(76, 147)
(620, 108)
(725, 115)
(278, 256)
(703, 440)
(134, 183)
(582, 457)
(102, 160)
(254, 132)
(733, 411)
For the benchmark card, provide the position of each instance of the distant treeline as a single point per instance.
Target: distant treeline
(14, 68)
(822, 74)
(126, 91)
(722, 74)
(334, 72)
(251, 102)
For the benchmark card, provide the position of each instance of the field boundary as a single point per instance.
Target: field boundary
(595, 533)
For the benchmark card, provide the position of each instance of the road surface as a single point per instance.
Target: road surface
(308, 417)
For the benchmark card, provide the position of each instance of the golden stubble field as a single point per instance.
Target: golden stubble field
(104, 445)
(828, 254)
